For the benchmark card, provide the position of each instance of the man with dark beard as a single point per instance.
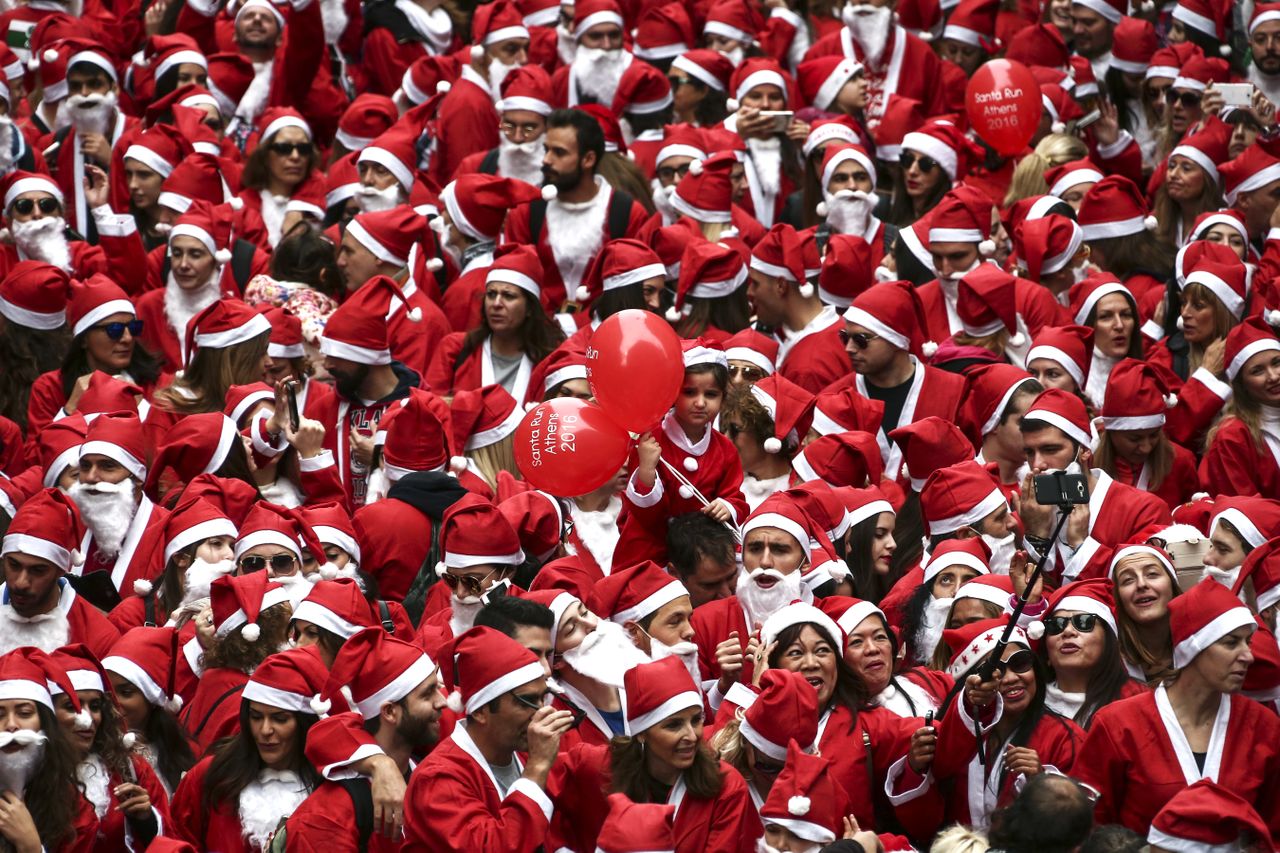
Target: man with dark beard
(398, 699)
(895, 62)
(599, 59)
(33, 207)
(38, 607)
(126, 529)
(523, 111)
(1264, 38)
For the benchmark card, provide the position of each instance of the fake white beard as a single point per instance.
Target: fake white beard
(90, 113)
(521, 160)
(263, 802)
(200, 576)
(870, 31)
(662, 200)
(108, 510)
(687, 652)
(297, 585)
(1002, 551)
(334, 15)
(951, 282)
(1226, 577)
(766, 159)
(849, 212)
(47, 631)
(605, 654)
(7, 131)
(598, 531)
(463, 612)
(18, 768)
(498, 71)
(255, 97)
(95, 780)
(372, 199)
(449, 245)
(763, 846)
(598, 72)
(761, 603)
(284, 492)
(44, 240)
(935, 620)
(566, 45)
(735, 56)
(377, 486)
(181, 305)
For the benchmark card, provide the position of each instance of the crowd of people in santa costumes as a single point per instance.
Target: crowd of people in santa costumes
(280, 281)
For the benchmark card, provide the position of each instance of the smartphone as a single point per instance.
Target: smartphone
(1088, 119)
(294, 420)
(1235, 94)
(928, 719)
(781, 119)
(1060, 488)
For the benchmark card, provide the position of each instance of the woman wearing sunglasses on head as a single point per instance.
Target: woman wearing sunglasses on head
(285, 159)
(1196, 725)
(1081, 652)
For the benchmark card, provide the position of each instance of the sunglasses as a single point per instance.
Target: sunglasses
(676, 81)
(1082, 622)
(861, 340)
(27, 205)
(284, 149)
(1020, 661)
(533, 700)
(1157, 93)
(907, 159)
(278, 563)
(750, 374)
(766, 767)
(115, 331)
(673, 173)
(1188, 99)
(470, 584)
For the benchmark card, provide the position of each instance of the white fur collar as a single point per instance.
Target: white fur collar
(755, 491)
(93, 775)
(265, 801)
(1058, 700)
(598, 531)
(47, 632)
(575, 232)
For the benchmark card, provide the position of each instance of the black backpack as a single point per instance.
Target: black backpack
(361, 801)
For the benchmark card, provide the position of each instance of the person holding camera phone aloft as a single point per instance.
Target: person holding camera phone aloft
(1056, 437)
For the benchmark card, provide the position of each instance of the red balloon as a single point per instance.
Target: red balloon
(635, 368)
(1004, 106)
(569, 447)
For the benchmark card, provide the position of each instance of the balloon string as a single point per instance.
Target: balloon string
(679, 475)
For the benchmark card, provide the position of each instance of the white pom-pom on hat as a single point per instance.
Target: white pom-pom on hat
(987, 247)
(798, 806)
(173, 704)
(583, 293)
(457, 464)
(731, 104)
(415, 314)
(929, 348)
(142, 587)
(222, 256)
(236, 202)
(1017, 339)
(821, 209)
(50, 55)
(443, 86)
(161, 227)
(1224, 49)
(695, 167)
(77, 556)
(672, 314)
(1058, 127)
(434, 265)
(320, 707)
(549, 192)
(1179, 322)
(129, 739)
(883, 273)
(477, 51)
(33, 64)
(530, 406)
(251, 632)
(280, 199)
(455, 702)
(1271, 316)
(329, 571)
(806, 290)
(772, 444)
(686, 492)
(83, 720)
(1150, 223)
(1035, 630)
(690, 464)
(1170, 400)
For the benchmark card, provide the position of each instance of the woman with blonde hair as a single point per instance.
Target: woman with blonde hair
(1214, 299)
(225, 345)
(484, 423)
(1054, 150)
(1191, 184)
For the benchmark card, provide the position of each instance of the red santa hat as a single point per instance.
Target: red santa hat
(986, 304)
(338, 606)
(991, 388)
(1064, 411)
(238, 599)
(28, 673)
(753, 347)
(619, 263)
(1038, 45)
(733, 19)
(849, 612)
(1144, 550)
(821, 79)
(1245, 341)
(92, 301)
(958, 496)
(1114, 207)
(709, 67)
(357, 330)
(901, 114)
(930, 444)
(1085, 295)
(1062, 178)
(1133, 44)
(840, 459)
(272, 524)
(973, 22)
(1263, 565)
(1201, 616)
(1137, 397)
(332, 526)
(789, 406)
(1045, 246)
(241, 398)
(657, 690)
(156, 149)
(1071, 347)
(1209, 17)
(891, 310)
(1208, 818)
(34, 294)
(48, 526)
(198, 177)
(192, 522)
(839, 129)
(286, 334)
(701, 351)
(10, 65)
(495, 22)
(562, 365)
(210, 225)
(945, 144)
(758, 71)
(780, 511)
(1252, 169)
(225, 323)
(970, 553)
(538, 520)
(58, 447)
(806, 799)
(707, 271)
(368, 116)
(1255, 519)
(276, 119)
(517, 265)
(1229, 282)
(591, 13)
(1263, 13)
(637, 827)
(478, 203)
(396, 151)
(834, 155)
(119, 436)
(844, 410)
(419, 436)
(107, 393)
(642, 90)
(377, 668)
(681, 140)
(705, 193)
(970, 643)
(475, 533)
(663, 32)
(83, 672)
(343, 180)
(291, 680)
(198, 444)
(1211, 218)
(635, 593)
(962, 216)
(234, 497)
(389, 234)
(1112, 10)
(484, 417)
(229, 77)
(1086, 596)
(993, 589)
(428, 75)
(487, 664)
(1207, 147)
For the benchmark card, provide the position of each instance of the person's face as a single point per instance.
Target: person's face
(1156, 92)
(877, 355)
(1197, 321)
(850, 175)
(671, 623)
(869, 652)
(1017, 689)
(18, 715)
(766, 295)
(1226, 549)
(966, 611)
(89, 82)
(348, 376)
(883, 544)
(744, 373)
(1265, 41)
(376, 175)
(356, 263)
(672, 744)
(710, 581)
(1243, 134)
(918, 180)
(474, 581)
(561, 165)
(771, 548)
(1223, 664)
(1091, 33)
(602, 37)
(306, 634)
(783, 840)
(1260, 376)
(651, 289)
(1257, 206)
(1059, 14)
(143, 183)
(216, 548)
(65, 711)
(96, 468)
(1051, 374)
(505, 307)
(750, 450)
(521, 126)
(1007, 436)
(1048, 449)
(1144, 589)
(290, 168)
(576, 623)
(1114, 328)
(190, 72)
(579, 389)
(672, 169)
(1073, 649)
(1184, 180)
(420, 713)
(1135, 445)
(510, 723)
(684, 94)
(737, 181)
(134, 708)
(765, 97)
(1074, 195)
(814, 658)
(1000, 522)
(105, 354)
(513, 51)
(699, 400)
(965, 55)
(538, 641)
(277, 369)
(947, 581)
(853, 94)
(279, 562)
(1225, 235)
(953, 259)
(723, 44)
(274, 732)
(1184, 108)
(191, 262)
(43, 205)
(257, 28)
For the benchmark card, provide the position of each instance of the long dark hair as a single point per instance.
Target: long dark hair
(305, 255)
(1136, 253)
(26, 353)
(236, 762)
(901, 211)
(51, 795)
(108, 742)
(730, 314)
(143, 366)
(913, 619)
(619, 299)
(867, 584)
(1106, 681)
(1120, 97)
(629, 773)
(850, 689)
(170, 745)
(538, 335)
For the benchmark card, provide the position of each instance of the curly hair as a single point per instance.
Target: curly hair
(52, 794)
(742, 405)
(629, 772)
(235, 652)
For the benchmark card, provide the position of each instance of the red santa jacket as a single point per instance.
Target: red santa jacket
(1035, 305)
(47, 400)
(85, 259)
(1177, 487)
(453, 803)
(814, 356)
(141, 554)
(468, 111)
(394, 539)
(908, 68)
(68, 169)
(214, 712)
(214, 829)
(446, 375)
(463, 301)
(1138, 758)
(326, 823)
(111, 830)
(1234, 464)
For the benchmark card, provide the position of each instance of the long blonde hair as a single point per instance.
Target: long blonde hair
(204, 383)
(1028, 176)
(1243, 407)
(492, 458)
(731, 746)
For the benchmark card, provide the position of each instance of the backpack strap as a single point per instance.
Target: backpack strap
(619, 217)
(415, 599)
(149, 610)
(489, 165)
(195, 733)
(537, 219)
(362, 801)
(242, 252)
(384, 613)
